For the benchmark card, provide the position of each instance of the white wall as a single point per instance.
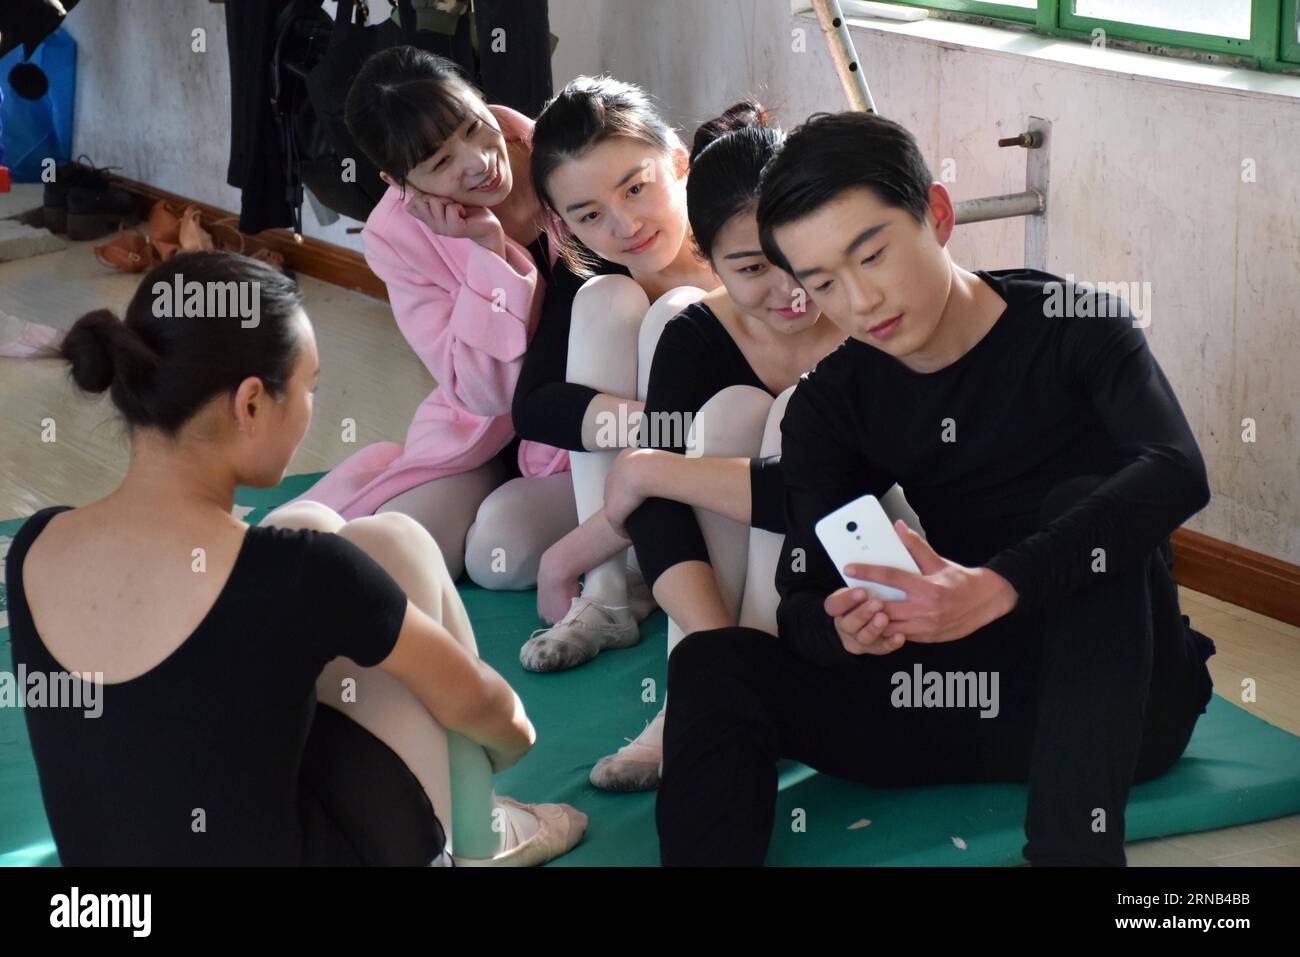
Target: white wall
(149, 104)
(1146, 182)
(1146, 186)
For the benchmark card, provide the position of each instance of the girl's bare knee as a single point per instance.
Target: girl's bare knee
(488, 558)
(777, 412)
(305, 514)
(772, 432)
(652, 326)
(395, 535)
(673, 302)
(731, 423)
(610, 298)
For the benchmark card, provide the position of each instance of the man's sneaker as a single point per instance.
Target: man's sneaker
(638, 765)
(585, 630)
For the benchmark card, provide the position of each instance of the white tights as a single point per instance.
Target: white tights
(495, 530)
(612, 340)
(453, 770)
(744, 422)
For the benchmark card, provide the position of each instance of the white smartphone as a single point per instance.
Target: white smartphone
(861, 533)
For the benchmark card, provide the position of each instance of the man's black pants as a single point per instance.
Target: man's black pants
(1100, 689)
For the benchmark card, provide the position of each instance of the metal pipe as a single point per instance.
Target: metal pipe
(1029, 203)
(1030, 140)
(836, 31)
(1037, 178)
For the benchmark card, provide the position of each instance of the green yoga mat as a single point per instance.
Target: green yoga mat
(1237, 769)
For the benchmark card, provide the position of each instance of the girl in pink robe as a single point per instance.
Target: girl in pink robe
(457, 239)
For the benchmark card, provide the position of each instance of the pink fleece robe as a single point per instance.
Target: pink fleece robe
(468, 315)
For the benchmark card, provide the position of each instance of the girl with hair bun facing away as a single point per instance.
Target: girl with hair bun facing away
(207, 743)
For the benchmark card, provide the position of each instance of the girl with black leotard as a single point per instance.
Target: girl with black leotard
(303, 691)
(723, 364)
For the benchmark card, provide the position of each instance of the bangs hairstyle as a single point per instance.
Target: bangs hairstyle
(834, 152)
(727, 159)
(588, 111)
(404, 104)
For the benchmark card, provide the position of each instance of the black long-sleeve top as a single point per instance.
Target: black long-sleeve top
(695, 360)
(979, 444)
(546, 408)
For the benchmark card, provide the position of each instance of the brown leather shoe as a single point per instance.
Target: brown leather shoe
(128, 251)
(165, 229)
(269, 256)
(194, 238)
(226, 235)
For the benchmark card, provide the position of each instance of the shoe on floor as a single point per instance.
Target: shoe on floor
(638, 765)
(586, 629)
(559, 829)
(128, 251)
(79, 174)
(95, 213)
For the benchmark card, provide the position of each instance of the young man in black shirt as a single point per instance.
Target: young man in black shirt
(1048, 461)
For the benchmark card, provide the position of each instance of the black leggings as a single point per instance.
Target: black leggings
(1101, 688)
(359, 804)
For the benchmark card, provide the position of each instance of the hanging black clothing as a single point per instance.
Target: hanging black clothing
(518, 76)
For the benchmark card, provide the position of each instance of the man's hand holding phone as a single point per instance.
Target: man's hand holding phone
(945, 602)
(898, 588)
(860, 622)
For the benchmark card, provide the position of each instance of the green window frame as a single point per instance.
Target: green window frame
(1290, 51)
(1273, 44)
(981, 8)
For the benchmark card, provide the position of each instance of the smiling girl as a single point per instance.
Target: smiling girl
(458, 241)
(614, 173)
(705, 511)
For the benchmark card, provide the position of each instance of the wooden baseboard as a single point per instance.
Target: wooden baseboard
(308, 257)
(1237, 575)
(1225, 571)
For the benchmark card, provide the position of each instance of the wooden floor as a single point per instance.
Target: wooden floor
(369, 374)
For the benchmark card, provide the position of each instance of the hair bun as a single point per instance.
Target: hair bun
(739, 116)
(88, 348)
(99, 347)
(744, 114)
